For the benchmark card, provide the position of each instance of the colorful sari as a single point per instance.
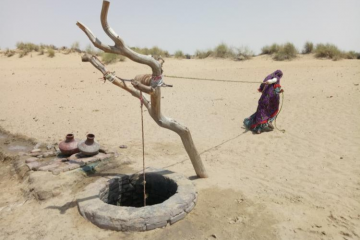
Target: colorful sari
(268, 106)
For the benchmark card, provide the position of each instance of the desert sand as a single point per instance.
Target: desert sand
(301, 184)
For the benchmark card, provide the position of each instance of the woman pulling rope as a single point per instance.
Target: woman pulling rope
(268, 107)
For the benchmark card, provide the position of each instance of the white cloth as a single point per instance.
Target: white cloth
(271, 81)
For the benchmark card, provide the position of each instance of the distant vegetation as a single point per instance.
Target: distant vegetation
(270, 49)
(282, 52)
(243, 53)
(179, 54)
(109, 58)
(224, 51)
(203, 54)
(154, 51)
(286, 52)
(331, 51)
(278, 52)
(51, 53)
(308, 48)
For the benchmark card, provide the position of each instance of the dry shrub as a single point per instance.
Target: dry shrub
(243, 53)
(274, 48)
(308, 48)
(203, 54)
(328, 51)
(154, 51)
(179, 54)
(351, 55)
(51, 53)
(9, 53)
(90, 50)
(223, 51)
(109, 58)
(285, 52)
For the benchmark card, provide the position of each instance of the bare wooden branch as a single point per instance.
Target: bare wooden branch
(100, 66)
(142, 82)
(120, 45)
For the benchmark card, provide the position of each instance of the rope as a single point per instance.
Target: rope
(214, 80)
(143, 144)
(282, 102)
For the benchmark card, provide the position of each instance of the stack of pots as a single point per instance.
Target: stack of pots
(88, 147)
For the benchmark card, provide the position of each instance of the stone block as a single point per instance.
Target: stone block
(34, 165)
(49, 167)
(151, 226)
(32, 159)
(177, 218)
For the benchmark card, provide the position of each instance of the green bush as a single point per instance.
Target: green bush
(179, 54)
(308, 48)
(51, 53)
(109, 58)
(274, 48)
(328, 51)
(285, 52)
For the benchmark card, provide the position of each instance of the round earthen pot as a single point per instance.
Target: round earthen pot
(89, 147)
(69, 146)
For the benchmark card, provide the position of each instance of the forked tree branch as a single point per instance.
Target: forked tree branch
(142, 83)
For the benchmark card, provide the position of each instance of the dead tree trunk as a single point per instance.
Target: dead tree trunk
(154, 107)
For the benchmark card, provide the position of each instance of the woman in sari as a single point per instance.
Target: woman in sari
(268, 106)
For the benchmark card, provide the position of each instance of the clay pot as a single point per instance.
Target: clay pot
(89, 147)
(69, 146)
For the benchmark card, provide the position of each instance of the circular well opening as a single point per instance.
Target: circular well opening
(128, 191)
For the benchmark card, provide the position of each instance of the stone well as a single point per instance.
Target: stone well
(118, 203)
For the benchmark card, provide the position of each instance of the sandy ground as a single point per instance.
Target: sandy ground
(301, 184)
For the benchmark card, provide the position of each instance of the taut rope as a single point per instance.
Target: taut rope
(213, 80)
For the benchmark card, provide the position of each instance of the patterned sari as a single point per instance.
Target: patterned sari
(268, 105)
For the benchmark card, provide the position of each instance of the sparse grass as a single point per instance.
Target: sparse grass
(308, 48)
(285, 52)
(179, 54)
(243, 53)
(274, 48)
(109, 58)
(51, 53)
(328, 51)
(203, 54)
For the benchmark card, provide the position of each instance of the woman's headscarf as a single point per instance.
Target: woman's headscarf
(277, 74)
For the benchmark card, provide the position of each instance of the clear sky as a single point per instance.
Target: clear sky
(186, 25)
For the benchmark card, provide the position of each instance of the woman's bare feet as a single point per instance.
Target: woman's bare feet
(271, 126)
(258, 131)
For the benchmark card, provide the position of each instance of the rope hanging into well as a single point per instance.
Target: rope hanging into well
(143, 144)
